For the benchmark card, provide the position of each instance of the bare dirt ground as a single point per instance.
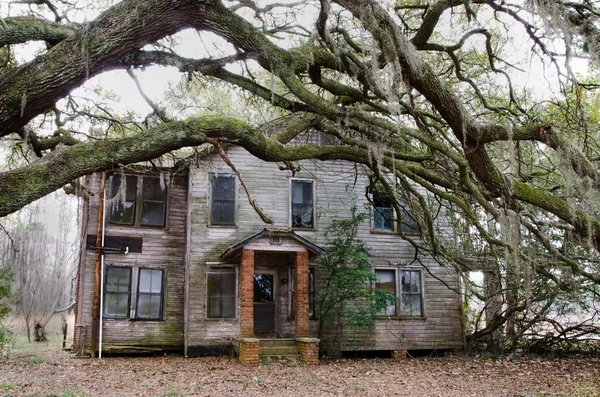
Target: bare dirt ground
(42, 371)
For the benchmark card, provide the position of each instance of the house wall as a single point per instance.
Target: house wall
(339, 185)
(163, 248)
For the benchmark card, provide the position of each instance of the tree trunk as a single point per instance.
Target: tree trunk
(40, 333)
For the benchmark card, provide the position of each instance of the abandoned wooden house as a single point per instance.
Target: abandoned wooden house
(180, 260)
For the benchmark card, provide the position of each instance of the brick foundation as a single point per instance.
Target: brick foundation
(301, 292)
(309, 350)
(249, 351)
(246, 295)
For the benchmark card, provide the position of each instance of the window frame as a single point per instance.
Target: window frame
(314, 203)
(399, 294)
(138, 201)
(219, 270)
(312, 288)
(105, 292)
(398, 224)
(211, 178)
(421, 292)
(161, 294)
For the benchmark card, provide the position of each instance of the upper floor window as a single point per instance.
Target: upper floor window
(302, 204)
(127, 207)
(222, 189)
(384, 215)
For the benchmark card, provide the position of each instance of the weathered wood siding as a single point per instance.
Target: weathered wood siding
(338, 186)
(163, 248)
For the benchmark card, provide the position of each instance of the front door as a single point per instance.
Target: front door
(264, 305)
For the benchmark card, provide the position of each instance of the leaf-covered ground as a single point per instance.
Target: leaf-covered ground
(45, 373)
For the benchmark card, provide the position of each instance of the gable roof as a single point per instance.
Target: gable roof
(272, 232)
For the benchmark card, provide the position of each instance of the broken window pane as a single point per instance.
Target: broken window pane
(302, 204)
(123, 193)
(154, 202)
(386, 280)
(223, 200)
(411, 293)
(220, 295)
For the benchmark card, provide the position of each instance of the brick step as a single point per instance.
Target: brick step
(277, 342)
(277, 350)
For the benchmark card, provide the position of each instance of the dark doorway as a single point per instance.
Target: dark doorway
(264, 305)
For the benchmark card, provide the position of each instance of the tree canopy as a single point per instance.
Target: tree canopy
(475, 107)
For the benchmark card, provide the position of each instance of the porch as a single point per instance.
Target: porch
(274, 295)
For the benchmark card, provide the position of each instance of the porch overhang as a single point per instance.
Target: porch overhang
(271, 234)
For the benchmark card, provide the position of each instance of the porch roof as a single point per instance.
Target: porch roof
(272, 232)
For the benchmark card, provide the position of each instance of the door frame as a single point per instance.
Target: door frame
(274, 273)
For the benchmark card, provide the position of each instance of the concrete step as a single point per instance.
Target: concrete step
(287, 357)
(277, 342)
(277, 350)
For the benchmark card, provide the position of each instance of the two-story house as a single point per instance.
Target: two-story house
(180, 260)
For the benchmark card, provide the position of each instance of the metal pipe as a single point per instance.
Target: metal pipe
(102, 273)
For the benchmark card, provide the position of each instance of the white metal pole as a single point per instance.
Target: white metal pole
(102, 271)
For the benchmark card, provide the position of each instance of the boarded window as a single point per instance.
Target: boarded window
(150, 294)
(116, 292)
(302, 204)
(123, 193)
(220, 295)
(412, 293)
(386, 281)
(223, 200)
(154, 202)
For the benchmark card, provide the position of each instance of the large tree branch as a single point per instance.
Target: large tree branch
(35, 87)
(26, 184)
(19, 30)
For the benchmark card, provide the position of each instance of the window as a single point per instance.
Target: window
(123, 197)
(302, 203)
(126, 208)
(116, 292)
(384, 218)
(154, 199)
(311, 292)
(383, 213)
(147, 299)
(220, 294)
(411, 303)
(222, 199)
(386, 281)
(410, 293)
(150, 294)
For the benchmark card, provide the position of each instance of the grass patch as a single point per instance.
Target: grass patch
(7, 385)
(36, 360)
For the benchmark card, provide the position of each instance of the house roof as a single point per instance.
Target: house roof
(272, 232)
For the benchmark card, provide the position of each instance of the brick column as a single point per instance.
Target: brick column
(249, 351)
(309, 350)
(246, 294)
(301, 294)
